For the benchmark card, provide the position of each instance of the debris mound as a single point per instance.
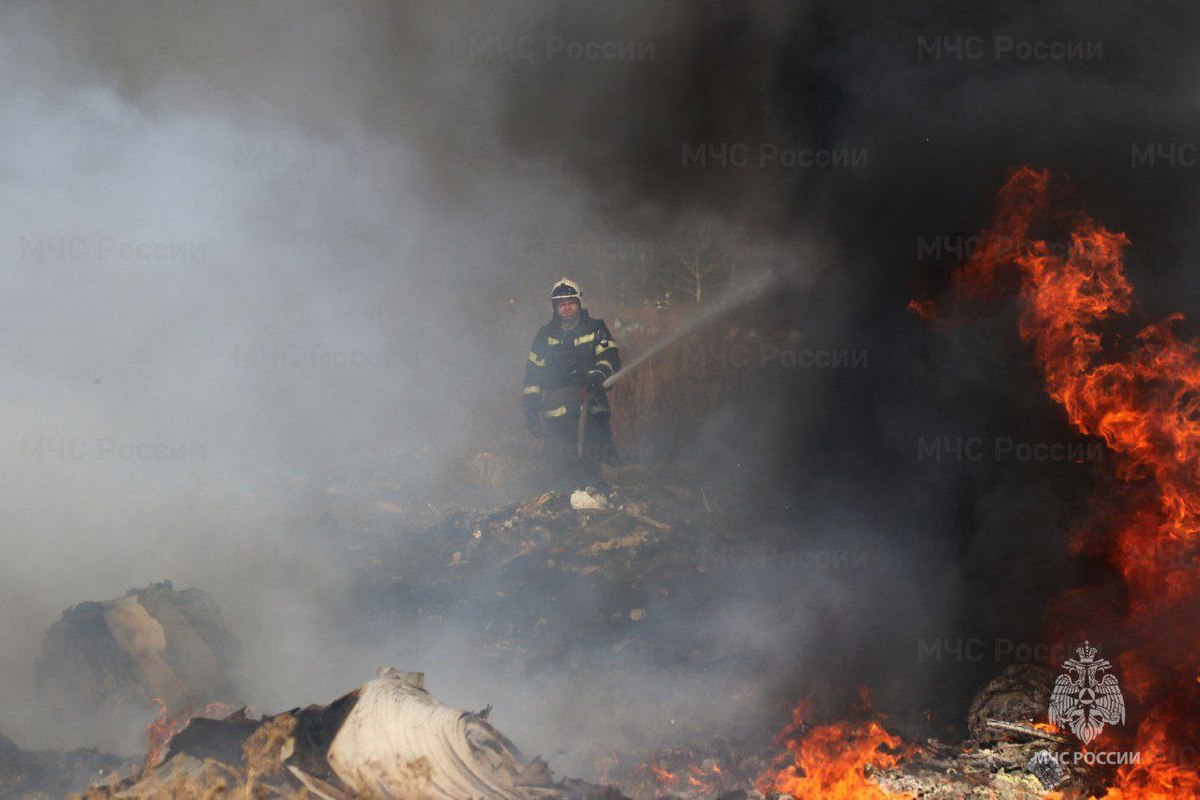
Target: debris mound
(1011, 754)
(387, 738)
(108, 665)
(1019, 694)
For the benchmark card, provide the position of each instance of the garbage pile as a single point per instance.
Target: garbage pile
(590, 570)
(387, 738)
(1011, 753)
(581, 567)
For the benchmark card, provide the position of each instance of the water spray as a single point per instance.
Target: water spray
(749, 290)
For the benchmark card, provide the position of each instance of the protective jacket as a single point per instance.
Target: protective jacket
(561, 359)
(562, 380)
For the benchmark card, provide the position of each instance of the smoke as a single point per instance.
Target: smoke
(221, 282)
(256, 253)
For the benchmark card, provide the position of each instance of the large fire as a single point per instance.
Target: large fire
(833, 762)
(1143, 399)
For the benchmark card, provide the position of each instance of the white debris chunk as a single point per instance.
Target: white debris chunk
(581, 499)
(400, 742)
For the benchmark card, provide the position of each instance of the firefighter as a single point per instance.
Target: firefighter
(564, 397)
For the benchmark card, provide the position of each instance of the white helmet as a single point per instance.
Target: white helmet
(565, 289)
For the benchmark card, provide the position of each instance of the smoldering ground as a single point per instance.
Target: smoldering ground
(251, 247)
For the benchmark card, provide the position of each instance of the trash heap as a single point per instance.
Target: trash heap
(577, 568)
(387, 738)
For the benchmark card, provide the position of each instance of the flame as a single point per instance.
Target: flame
(1145, 404)
(160, 731)
(663, 775)
(694, 780)
(832, 762)
(163, 728)
(680, 774)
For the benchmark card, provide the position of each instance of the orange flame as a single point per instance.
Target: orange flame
(663, 774)
(1145, 404)
(163, 728)
(832, 762)
(160, 731)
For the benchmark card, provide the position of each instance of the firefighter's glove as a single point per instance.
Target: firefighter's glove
(533, 421)
(595, 379)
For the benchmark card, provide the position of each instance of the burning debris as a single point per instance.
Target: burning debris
(387, 738)
(159, 650)
(1019, 695)
(391, 736)
(163, 728)
(837, 760)
(1145, 406)
(1144, 402)
(718, 768)
(1006, 771)
(1013, 758)
(480, 564)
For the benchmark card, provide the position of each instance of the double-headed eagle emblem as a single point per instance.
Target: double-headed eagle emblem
(1083, 700)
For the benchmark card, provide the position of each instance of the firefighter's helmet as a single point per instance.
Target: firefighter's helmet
(565, 289)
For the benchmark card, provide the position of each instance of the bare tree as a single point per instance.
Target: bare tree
(696, 259)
